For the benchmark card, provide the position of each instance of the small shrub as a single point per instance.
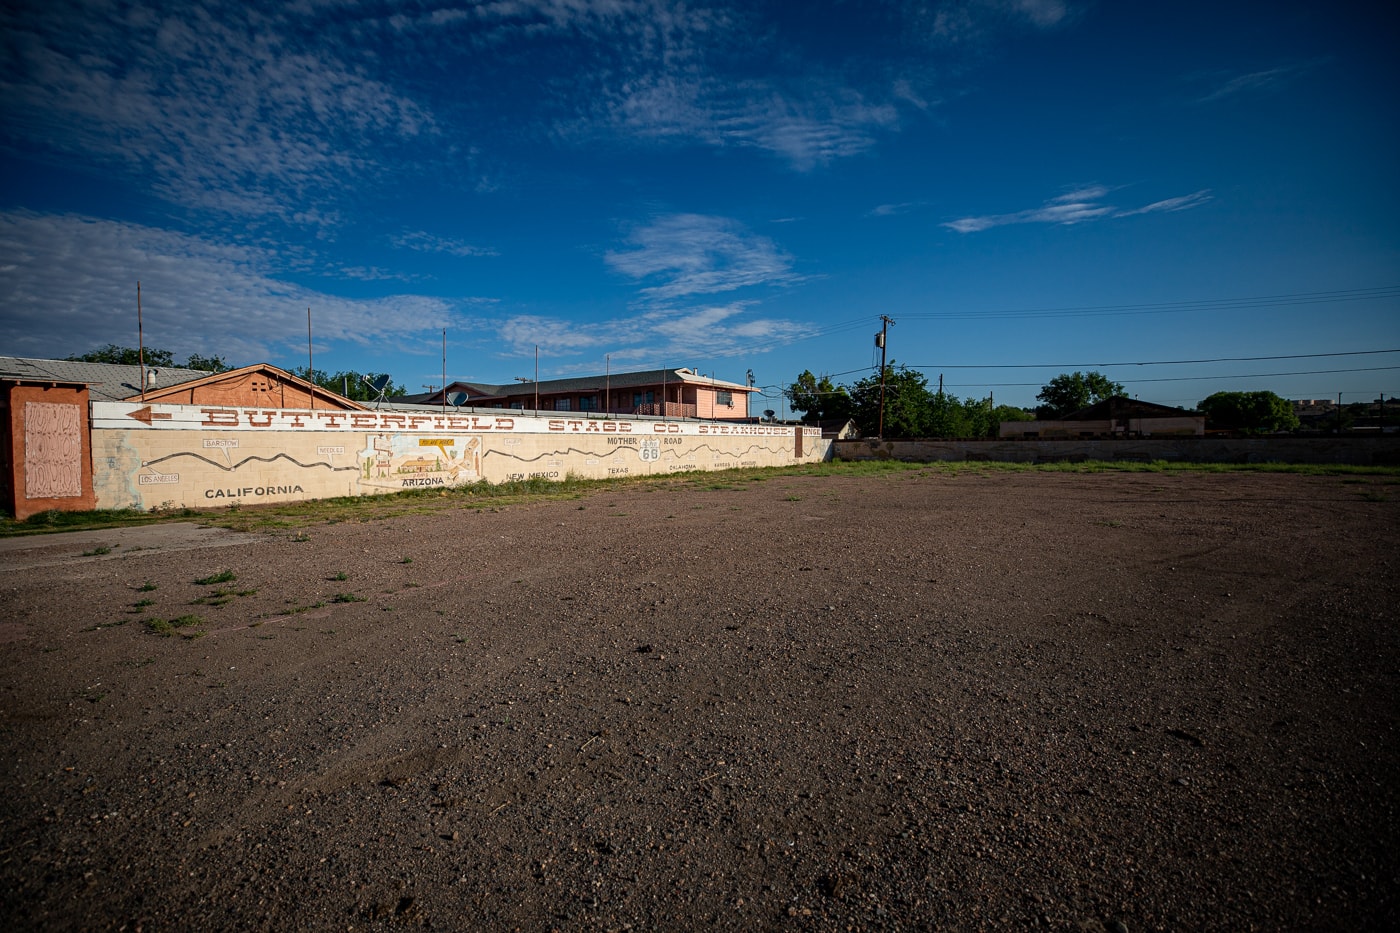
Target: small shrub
(347, 598)
(168, 627)
(223, 576)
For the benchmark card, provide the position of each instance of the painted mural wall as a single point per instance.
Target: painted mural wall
(164, 456)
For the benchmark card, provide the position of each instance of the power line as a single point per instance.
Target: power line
(1314, 372)
(1222, 359)
(1175, 307)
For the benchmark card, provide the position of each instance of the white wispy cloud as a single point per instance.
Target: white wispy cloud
(431, 243)
(675, 260)
(894, 210)
(1079, 206)
(279, 111)
(810, 128)
(977, 22)
(674, 336)
(696, 254)
(235, 108)
(1223, 86)
(78, 275)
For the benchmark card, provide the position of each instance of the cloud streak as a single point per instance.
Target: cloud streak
(675, 336)
(1075, 207)
(198, 295)
(694, 254)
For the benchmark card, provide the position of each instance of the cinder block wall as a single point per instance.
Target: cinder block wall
(1357, 451)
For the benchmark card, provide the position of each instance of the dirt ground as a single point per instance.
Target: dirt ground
(910, 701)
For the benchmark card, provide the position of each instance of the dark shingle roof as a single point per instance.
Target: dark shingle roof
(107, 382)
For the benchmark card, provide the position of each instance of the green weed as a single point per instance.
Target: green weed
(176, 626)
(223, 576)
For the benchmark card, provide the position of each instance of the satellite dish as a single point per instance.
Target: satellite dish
(377, 385)
(456, 399)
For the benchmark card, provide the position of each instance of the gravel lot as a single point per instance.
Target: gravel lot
(916, 700)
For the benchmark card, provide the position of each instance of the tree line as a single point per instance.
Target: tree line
(912, 410)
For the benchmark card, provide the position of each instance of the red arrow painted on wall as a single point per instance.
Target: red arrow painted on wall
(146, 416)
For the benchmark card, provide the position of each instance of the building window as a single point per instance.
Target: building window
(561, 404)
(588, 403)
(724, 398)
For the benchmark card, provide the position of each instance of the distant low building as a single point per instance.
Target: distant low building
(1119, 416)
(669, 393)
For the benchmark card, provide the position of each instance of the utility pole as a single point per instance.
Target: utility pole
(880, 342)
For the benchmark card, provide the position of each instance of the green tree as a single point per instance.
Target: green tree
(1248, 412)
(820, 399)
(948, 417)
(1007, 413)
(131, 356)
(208, 364)
(126, 356)
(1069, 392)
(350, 383)
(907, 403)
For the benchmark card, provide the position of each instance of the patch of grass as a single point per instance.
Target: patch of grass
(176, 626)
(143, 603)
(347, 598)
(484, 496)
(56, 520)
(98, 551)
(406, 560)
(147, 587)
(221, 596)
(792, 498)
(339, 575)
(223, 576)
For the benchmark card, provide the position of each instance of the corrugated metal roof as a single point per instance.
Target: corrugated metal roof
(107, 382)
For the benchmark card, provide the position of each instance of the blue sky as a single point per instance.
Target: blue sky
(1027, 187)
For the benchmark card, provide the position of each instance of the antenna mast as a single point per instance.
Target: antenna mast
(140, 341)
